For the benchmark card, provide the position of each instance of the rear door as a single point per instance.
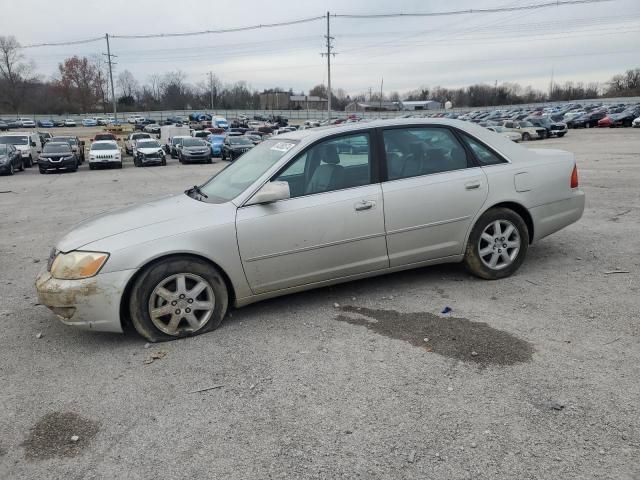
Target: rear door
(331, 227)
(432, 193)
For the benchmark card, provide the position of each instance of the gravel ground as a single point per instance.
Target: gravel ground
(542, 380)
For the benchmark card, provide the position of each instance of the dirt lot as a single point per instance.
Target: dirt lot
(535, 376)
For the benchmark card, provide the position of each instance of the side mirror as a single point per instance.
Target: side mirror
(271, 192)
(33, 144)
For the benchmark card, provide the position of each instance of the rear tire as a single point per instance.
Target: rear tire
(29, 162)
(92, 166)
(560, 135)
(11, 169)
(159, 287)
(497, 245)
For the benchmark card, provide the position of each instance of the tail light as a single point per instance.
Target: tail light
(574, 177)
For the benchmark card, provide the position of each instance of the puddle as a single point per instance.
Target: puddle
(51, 436)
(452, 337)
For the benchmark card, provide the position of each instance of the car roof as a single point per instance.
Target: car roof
(56, 143)
(16, 134)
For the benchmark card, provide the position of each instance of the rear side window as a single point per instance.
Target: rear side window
(417, 151)
(484, 155)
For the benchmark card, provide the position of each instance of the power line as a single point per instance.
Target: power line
(225, 30)
(61, 44)
(471, 10)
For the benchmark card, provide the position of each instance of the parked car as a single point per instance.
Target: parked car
(216, 142)
(220, 122)
(292, 214)
(176, 143)
(89, 122)
(77, 145)
(526, 129)
(605, 122)
(588, 120)
(58, 123)
(27, 143)
(235, 146)
(102, 121)
(152, 128)
(511, 135)
(26, 123)
(133, 119)
(10, 159)
(255, 139)
(105, 136)
(149, 152)
(58, 156)
(624, 118)
(45, 123)
(105, 153)
(3, 126)
(194, 150)
(69, 122)
(44, 137)
(130, 142)
(636, 123)
(141, 123)
(558, 129)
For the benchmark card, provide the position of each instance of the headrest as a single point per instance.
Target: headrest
(329, 154)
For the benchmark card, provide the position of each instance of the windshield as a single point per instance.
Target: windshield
(4, 149)
(193, 143)
(497, 129)
(216, 138)
(177, 140)
(70, 141)
(526, 124)
(151, 144)
(15, 140)
(56, 148)
(104, 146)
(137, 136)
(239, 141)
(234, 179)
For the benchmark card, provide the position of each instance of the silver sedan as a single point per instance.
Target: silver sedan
(307, 209)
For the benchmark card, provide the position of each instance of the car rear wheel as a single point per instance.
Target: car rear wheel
(177, 297)
(497, 245)
(11, 169)
(560, 135)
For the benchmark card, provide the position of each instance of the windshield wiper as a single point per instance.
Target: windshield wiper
(197, 190)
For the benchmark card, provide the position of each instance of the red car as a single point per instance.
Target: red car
(605, 122)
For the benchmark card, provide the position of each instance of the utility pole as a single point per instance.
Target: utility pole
(381, 84)
(328, 54)
(551, 84)
(113, 90)
(211, 87)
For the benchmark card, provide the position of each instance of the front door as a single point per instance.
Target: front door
(331, 227)
(432, 194)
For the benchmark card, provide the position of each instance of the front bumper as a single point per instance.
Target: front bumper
(90, 303)
(63, 164)
(150, 160)
(196, 158)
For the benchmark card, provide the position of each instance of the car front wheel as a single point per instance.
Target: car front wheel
(178, 297)
(497, 245)
(526, 137)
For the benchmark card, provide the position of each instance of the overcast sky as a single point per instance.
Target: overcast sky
(581, 43)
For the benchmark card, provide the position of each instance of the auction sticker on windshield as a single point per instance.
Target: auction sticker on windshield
(283, 146)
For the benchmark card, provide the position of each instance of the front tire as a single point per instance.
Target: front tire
(497, 245)
(526, 137)
(177, 297)
(29, 162)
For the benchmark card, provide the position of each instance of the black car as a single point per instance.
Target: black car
(194, 150)
(57, 156)
(587, 120)
(626, 117)
(77, 145)
(3, 126)
(10, 159)
(234, 146)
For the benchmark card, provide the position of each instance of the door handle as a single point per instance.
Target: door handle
(364, 205)
(472, 185)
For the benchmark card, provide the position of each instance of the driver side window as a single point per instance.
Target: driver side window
(334, 164)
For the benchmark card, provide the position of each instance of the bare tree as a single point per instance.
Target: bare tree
(127, 84)
(78, 80)
(14, 73)
(101, 81)
(155, 86)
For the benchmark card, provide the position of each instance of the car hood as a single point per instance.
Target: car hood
(195, 149)
(22, 147)
(148, 150)
(164, 210)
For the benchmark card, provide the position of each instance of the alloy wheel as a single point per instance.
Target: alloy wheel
(181, 303)
(499, 244)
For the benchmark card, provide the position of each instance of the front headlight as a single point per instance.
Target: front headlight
(76, 265)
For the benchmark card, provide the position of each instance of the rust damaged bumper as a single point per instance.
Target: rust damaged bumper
(91, 303)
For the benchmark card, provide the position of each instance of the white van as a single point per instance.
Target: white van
(27, 143)
(169, 131)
